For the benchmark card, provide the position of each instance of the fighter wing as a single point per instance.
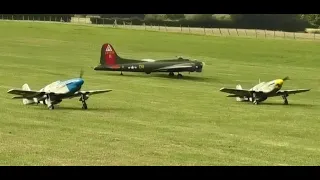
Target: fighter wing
(296, 91)
(237, 92)
(26, 93)
(29, 93)
(92, 92)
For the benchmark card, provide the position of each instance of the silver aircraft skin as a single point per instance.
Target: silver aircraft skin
(55, 92)
(262, 91)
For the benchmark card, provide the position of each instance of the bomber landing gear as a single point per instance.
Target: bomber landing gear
(171, 74)
(121, 73)
(285, 100)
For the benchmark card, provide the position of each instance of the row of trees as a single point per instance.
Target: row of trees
(311, 19)
(38, 17)
(285, 22)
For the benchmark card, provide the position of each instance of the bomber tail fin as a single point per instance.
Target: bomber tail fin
(26, 101)
(108, 55)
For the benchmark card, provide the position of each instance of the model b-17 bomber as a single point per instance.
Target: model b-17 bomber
(110, 61)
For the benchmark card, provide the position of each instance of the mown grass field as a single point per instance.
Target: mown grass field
(153, 119)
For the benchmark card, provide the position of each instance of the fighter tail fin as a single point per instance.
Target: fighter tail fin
(108, 55)
(26, 101)
(238, 86)
(240, 98)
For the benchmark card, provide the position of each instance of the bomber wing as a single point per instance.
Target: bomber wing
(288, 92)
(176, 67)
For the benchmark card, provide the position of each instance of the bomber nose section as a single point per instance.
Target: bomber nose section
(199, 66)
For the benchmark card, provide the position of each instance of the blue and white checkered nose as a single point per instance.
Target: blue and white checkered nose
(75, 85)
(79, 82)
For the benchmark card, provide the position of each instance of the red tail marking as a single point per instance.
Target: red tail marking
(117, 66)
(110, 55)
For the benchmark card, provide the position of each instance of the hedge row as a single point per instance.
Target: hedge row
(137, 21)
(284, 22)
(293, 25)
(38, 17)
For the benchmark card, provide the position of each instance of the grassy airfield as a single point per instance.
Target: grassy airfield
(153, 119)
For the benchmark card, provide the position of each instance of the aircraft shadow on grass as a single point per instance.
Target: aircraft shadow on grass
(281, 104)
(292, 104)
(100, 109)
(186, 78)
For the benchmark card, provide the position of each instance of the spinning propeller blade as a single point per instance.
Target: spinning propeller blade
(81, 73)
(286, 78)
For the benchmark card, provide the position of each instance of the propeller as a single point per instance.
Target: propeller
(81, 73)
(202, 70)
(286, 78)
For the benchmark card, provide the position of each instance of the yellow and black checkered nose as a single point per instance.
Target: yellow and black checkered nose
(279, 83)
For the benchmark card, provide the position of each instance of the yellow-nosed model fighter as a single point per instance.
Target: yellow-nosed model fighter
(262, 91)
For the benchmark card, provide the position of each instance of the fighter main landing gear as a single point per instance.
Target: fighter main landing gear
(83, 100)
(49, 102)
(285, 100)
(84, 105)
(254, 99)
(51, 107)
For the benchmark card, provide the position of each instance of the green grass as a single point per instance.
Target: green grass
(153, 119)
